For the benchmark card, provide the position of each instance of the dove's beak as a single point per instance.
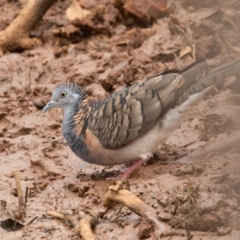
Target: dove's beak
(50, 105)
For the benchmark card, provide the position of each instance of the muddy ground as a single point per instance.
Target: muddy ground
(192, 182)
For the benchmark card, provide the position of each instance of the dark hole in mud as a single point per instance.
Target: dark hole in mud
(11, 225)
(165, 57)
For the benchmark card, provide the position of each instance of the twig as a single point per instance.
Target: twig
(15, 221)
(21, 203)
(159, 185)
(179, 28)
(81, 222)
(194, 51)
(3, 204)
(189, 235)
(55, 215)
(17, 35)
(26, 196)
(31, 221)
(85, 230)
(188, 144)
(117, 215)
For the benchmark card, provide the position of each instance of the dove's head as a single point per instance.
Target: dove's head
(65, 96)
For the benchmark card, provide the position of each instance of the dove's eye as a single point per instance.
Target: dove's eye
(63, 94)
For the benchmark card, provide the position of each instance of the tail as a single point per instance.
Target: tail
(204, 82)
(216, 75)
(193, 87)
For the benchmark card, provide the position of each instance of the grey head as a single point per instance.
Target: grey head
(65, 96)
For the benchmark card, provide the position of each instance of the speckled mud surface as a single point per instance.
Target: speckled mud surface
(193, 181)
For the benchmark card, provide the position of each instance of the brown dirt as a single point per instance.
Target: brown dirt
(192, 182)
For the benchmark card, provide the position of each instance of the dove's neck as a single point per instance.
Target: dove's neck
(69, 124)
(67, 114)
(75, 117)
(74, 127)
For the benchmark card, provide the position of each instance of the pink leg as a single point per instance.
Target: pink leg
(129, 171)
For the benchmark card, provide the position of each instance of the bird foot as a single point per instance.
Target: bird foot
(124, 176)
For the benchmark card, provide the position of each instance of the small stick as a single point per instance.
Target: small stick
(81, 222)
(21, 203)
(55, 215)
(31, 221)
(15, 221)
(3, 204)
(117, 216)
(85, 230)
(189, 235)
(26, 196)
(194, 51)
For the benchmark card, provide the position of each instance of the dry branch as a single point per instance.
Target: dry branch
(117, 194)
(85, 230)
(16, 35)
(81, 222)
